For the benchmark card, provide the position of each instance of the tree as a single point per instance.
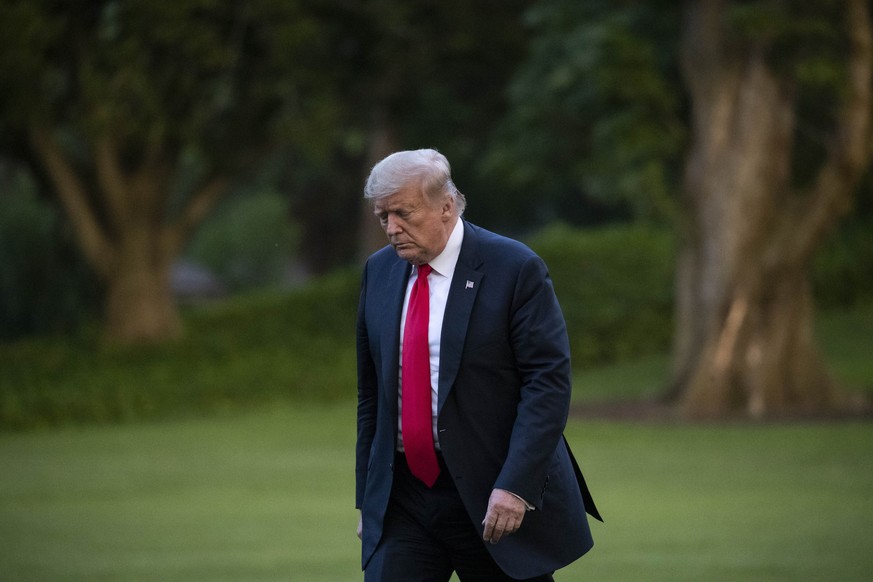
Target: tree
(778, 112)
(765, 182)
(414, 74)
(140, 114)
(594, 125)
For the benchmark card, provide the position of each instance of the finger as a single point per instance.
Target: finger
(503, 528)
(495, 524)
(497, 534)
(500, 528)
(510, 526)
(488, 522)
(516, 524)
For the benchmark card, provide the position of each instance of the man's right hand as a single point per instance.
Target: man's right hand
(360, 525)
(504, 516)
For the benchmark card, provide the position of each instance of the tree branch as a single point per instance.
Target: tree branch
(92, 237)
(204, 200)
(111, 179)
(150, 184)
(850, 147)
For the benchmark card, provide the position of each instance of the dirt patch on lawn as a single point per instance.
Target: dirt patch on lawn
(653, 411)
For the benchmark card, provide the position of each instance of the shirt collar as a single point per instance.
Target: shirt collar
(444, 263)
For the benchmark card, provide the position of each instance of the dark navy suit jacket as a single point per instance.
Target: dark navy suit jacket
(504, 395)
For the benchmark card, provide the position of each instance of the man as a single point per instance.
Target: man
(463, 395)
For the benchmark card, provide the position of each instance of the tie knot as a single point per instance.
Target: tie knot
(424, 270)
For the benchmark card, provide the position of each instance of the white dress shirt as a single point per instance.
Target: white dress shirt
(439, 281)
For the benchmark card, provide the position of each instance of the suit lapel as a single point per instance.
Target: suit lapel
(392, 297)
(459, 305)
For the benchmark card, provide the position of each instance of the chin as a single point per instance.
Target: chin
(412, 259)
(409, 255)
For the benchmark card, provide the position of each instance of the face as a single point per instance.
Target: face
(417, 227)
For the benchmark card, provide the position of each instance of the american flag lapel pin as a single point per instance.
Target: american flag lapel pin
(469, 285)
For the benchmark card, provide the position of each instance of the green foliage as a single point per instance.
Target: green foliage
(846, 337)
(43, 286)
(139, 114)
(429, 73)
(805, 44)
(615, 286)
(259, 348)
(249, 243)
(215, 76)
(842, 272)
(595, 109)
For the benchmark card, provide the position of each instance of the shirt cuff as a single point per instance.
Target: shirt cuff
(520, 498)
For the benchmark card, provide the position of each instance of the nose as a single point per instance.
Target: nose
(392, 226)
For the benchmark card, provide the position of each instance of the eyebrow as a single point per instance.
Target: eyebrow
(394, 208)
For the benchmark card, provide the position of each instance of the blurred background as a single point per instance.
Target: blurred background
(182, 229)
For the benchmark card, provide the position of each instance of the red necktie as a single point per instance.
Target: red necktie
(416, 390)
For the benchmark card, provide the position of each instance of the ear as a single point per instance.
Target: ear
(448, 209)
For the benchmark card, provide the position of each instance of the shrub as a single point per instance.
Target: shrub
(843, 268)
(615, 286)
(259, 348)
(249, 242)
(44, 286)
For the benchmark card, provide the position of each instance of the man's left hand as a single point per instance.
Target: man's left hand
(504, 516)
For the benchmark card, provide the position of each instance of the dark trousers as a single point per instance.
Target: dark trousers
(427, 535)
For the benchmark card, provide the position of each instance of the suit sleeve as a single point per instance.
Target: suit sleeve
(367, 394)
(542, 351)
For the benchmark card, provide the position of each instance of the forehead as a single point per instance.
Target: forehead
(407, 197)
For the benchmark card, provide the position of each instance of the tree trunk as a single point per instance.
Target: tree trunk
(744, 342)
(381, 142)
(140, 307)
(761, 359)
(132, 245)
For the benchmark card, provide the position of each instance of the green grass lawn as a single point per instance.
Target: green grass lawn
(268, 495)
(264, 496)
